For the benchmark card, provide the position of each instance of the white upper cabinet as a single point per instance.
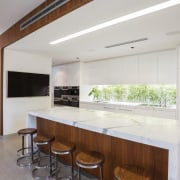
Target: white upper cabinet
(167, 67)
(113, 71)
(66, 75)
(129, 70)
(147, 68)
(158, 68)
(150, 68)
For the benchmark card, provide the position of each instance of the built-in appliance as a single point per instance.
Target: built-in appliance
(66, 95)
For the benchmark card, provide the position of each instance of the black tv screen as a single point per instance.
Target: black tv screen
(22, 84)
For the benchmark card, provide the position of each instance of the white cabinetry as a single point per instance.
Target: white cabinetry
(148, 69)
(112, 71)
(167, 67)
(129, 70)
(158, 68)
(66, 75)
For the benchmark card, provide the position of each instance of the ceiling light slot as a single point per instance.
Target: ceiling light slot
(51, 7)
(127, 42)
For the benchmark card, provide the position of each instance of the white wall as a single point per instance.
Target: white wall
(14, 109)
(150, 68)
(178, 83)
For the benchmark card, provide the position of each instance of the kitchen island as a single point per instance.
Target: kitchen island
(153, 143)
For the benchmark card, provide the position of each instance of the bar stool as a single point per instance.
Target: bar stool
(43, 170)
(63, 148)
(26, 153)
(130, 172)
(90, 160)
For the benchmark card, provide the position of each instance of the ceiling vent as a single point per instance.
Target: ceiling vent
(173, 33)
(51, 7)
(127, 42)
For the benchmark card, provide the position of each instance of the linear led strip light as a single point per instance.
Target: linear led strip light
(121, 19)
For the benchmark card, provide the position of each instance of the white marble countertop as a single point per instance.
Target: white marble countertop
(148, 130)
(130, 105)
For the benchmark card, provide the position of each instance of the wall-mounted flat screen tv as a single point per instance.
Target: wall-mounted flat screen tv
(22, 84)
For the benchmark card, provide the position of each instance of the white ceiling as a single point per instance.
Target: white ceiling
(13, 11)
(161, 28)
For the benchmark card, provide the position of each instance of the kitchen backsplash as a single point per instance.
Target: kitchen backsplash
(66, 95)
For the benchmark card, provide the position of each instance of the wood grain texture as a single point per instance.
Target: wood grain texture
(117, 151)
(1, 91)
(14, 33)
(131, 173)
(151, 158)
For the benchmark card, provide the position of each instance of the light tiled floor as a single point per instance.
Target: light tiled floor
(8, 168)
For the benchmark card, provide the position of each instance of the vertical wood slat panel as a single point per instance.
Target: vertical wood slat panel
(116, 151)
(1, 90)
(152, 158)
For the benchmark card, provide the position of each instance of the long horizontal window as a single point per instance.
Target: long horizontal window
(150, 95)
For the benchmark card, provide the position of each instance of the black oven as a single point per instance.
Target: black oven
(66, 95)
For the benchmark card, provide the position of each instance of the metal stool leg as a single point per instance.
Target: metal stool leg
(56, 168)
(32, 149)
(39, 155)
(79, 173)
(72, 169)
(50, 160)
(101, 173)
(23, 145)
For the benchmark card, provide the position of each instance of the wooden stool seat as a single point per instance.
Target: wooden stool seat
(130, 172)
(90, 160)
(43, 170)
(27, 131)
(27, 152)
(63, 148)
(40, 139)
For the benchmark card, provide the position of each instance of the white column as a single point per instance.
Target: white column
(178, 85)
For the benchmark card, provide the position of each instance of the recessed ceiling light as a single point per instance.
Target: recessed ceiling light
(121, 19)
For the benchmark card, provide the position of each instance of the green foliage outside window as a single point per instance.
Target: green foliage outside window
(96, 93)
(164, 95)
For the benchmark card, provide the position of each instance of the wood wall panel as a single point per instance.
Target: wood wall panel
(13, 34)
(1, 90)
(152, 158)
(116, 151)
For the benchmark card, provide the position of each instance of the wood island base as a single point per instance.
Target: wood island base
(116, 151)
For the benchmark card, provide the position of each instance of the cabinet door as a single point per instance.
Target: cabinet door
(167, 67)
(59, 76)
(129, 68)
(112, 71)
(66, 75)
(148, 68)
(73, 74)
